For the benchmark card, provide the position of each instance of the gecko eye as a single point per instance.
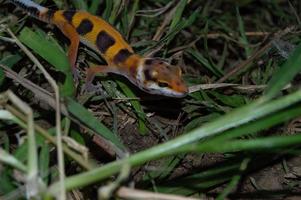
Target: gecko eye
(163, 84)
(154, 73)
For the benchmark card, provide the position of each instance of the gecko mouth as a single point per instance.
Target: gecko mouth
(155, 89)
(177, 94)
(172, 93)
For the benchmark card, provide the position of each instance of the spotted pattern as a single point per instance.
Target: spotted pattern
(104, 41)
(68, 14)
(84, 27)
(122, 55)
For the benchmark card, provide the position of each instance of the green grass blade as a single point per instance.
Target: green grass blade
(125, 21)
(93, 7)
(11, 160)
(51, 52)
(285, 74)
(249, 128)
(59, 3)
(7, 182)
(114, 12)
(8, 61)
(229, 100)
(259, 144)
(131, 17)
(178, 25)
(243, 37)
(178, 15)
(203, 61)
(89, 120)
(80, 4)
(108, 10)
(168, 164)
(233, 119)
(137, 107)
(234, 181)
(201, 180)
(44, 161)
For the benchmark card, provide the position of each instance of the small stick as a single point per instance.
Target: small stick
(165, 22)
(127, 193)
(47, 97)
(245, 63)
(250, 34)
(55, 87)
(156, 12)
(50, 138)
(32, 179)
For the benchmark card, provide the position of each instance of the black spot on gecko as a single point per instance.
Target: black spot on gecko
(122, 55)
(84, 27)
(68, 14)
(104, 41)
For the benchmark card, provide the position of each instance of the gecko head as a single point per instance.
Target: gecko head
(156, 76)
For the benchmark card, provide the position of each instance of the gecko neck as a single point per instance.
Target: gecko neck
(129, 67)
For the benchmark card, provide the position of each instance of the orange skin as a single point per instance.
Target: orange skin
(152, 75)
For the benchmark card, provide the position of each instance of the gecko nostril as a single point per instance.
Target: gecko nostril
(148, 62)
(181, 87)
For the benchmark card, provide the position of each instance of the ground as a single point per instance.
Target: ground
(241, 61)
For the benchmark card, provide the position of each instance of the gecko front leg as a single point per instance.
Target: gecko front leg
(70, 32)
(90, 75)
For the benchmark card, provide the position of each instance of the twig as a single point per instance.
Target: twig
(76, 146)
(32, 179)
(181, 48)
(165, 22)
(127, 193)
(294, 12)
(105, 192)
(250, 34)
(11, 160)
(62, 193)
(245, 63)
(41, 93)
(51, 139)
(156, 12)
(195, 88)
(47, 97)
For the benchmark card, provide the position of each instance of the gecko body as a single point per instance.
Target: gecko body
(153, 75)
